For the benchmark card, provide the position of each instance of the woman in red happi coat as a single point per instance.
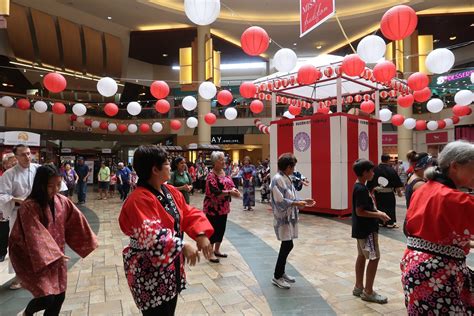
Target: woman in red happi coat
(46, 222)
(440, 230)
(155, 216)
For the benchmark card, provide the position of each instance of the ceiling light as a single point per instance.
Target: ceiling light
(109, 18)
(319, 47)
(452, 38)
(165, 55)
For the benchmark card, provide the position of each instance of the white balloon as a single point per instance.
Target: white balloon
(40, 106)
(79, 109)
(207, 90)
(449, 122)
(230, 114)
(192, 122)
(371, 49)
(435, 105)
(385, 115)
(463, 97)
(440, 60)
(285, 60)
(95, 124)
(202, 12)
(80, 119)
(157, 127)
(112, 127)
(132, 128)
(189, 103)
(134, 108)
(287, 114)
(409, 123)
(7, 101)
(107, 87)
(432, 125)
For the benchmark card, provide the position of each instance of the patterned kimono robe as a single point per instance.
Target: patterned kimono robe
(36, 251)
(283, 194)
(155, 246)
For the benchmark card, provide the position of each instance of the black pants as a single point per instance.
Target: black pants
(386, 203)
(219, 223)
(4, 231)
(285, 250)
(51, 304)
(165, 309)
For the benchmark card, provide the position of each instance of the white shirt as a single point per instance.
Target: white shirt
(16, 182)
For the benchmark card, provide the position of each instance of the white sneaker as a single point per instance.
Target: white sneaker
(281, 283)
(288, 278)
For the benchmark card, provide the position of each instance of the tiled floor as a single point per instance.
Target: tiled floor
(322, 260)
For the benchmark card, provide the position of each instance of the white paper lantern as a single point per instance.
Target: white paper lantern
(463, 97)
(371, 49)
(202, 12)
(435, 105)
(189, 103)
(192, 122)
(40, 106)
(409, 123)
(134, 108)
(112, 127)
(132, 128)
(287, 114)
(432, 125)
(107, 87)
(385, 115)
(79, 109)
(95, 124)
(207, 90)
(449, 122)
(7, 101)
(230, 114)
(285, 60)
(157, 127)
(440, 60)
(80, 120)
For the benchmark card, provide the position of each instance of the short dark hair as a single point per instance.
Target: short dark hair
(15, 148)
(385, 157)
(362, 165)
(286, 160)
(145, 158)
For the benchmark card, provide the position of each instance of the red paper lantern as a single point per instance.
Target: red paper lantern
(460, 110)
(441, 124)
(54, 82)
(23, 104)
(422, 95)
(308, 74)
(398, 119)
(367, 106)
(352, 65)
(294, 110)
(405, 101)
(162, 106)
(224, 97)
(88, 122)
(329, 72)
(455, 119)
(145, 128)
(398, 22)
(122, 128)
(357, 98)
(254, 41)
(256, 106)
(420, 125)
(159, 89)
(59, 108)
(73, 118)
(174, 125)
(104, 125)
(210, 118)
(111, 109)
(418, 81)
(384, 71)
(323, 110)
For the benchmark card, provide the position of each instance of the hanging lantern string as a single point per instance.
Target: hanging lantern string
(344, 33)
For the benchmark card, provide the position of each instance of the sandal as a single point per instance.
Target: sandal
(220, 255)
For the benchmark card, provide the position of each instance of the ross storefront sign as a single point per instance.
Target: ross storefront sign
(437, 138)
(313, 13)
(20, 137)
(389, 139)
(227, 139)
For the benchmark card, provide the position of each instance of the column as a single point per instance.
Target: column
(204, 106)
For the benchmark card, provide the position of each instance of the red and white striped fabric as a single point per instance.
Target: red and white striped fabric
(326, 146)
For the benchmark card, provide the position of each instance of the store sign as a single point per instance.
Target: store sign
(20, 137)
(389, 139)
(227, 139)
(437, 138)
(315, 12)
(453, 77)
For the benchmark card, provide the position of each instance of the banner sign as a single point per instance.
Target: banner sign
(315, 12)
(20, 137)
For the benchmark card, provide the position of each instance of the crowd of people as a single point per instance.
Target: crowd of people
(36, 203)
